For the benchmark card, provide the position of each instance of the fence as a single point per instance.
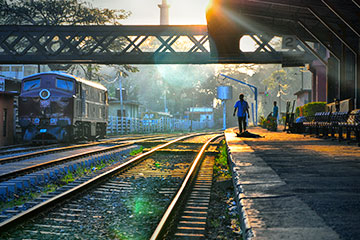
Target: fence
(124, 125)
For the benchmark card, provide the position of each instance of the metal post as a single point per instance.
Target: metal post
(121, 96)
(256, 107)
(252, 113)
(279, 97)
(224, 114)
(165, 105)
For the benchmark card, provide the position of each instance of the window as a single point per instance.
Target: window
(4, 68)
(87, 110)
(16, 68)
(67, 85)
(119, 113)
(28, 70)
(31, 84)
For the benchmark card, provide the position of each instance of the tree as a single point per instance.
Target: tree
(57, 12)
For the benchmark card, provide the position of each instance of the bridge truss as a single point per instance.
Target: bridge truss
(132, 45)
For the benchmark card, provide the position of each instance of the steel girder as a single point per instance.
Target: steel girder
(128, 45)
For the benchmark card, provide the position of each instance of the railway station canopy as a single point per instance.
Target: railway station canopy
(327, 21)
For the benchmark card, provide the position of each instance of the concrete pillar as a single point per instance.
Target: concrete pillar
(347, 73)
(319, 83)
(343, 72)
(164, 13)
(332, 79)
(313, 85)
(357, 100)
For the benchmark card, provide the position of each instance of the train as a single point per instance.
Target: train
(59, 107)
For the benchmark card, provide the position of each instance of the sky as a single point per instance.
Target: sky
(147, 12)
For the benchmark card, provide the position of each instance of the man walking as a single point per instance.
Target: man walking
(242, 108)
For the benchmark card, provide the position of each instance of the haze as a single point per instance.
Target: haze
(146, 12)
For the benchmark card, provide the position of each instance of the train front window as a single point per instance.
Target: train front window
(66, 85)
(31, 84)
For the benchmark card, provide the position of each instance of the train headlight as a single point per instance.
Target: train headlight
(36, 121)
(53, 121)
(44, 94)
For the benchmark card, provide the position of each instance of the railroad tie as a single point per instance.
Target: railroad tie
(192, 224)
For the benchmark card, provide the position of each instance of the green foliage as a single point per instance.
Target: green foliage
(262, 121)
(221, 167)
(299, 111)
(136, 151)
(311, 108)
(270, 123)
(57, 12)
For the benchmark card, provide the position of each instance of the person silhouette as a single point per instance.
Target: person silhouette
(242, 107)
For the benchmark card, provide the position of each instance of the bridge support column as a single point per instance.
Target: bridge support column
(357, 91)
(319, 83)
(357, 100)
(332, 89)
(347, 73)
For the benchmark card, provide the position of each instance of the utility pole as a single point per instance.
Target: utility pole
(165, 104)
(121, 96)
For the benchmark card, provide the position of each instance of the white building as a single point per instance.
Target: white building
(18, 71)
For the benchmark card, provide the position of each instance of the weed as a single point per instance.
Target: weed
(136, 151)
(221, 167)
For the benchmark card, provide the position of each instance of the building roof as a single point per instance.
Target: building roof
(302, 91)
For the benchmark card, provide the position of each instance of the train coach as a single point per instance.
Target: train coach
(59, 107)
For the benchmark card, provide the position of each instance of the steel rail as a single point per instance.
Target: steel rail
(162, 227)
(32, 168)
(4, 226)
(31, 148)
(13, 146)
(48, 151)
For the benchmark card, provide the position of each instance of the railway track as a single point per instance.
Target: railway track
(115, 203)
(18, 168)
(31, 152)
(11, 150)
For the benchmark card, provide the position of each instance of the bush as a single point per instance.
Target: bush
(310, 109)
(262, 122)
(271, 123)
(268, 123)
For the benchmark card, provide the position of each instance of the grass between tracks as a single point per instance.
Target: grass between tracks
(29, 195)
(223, 218)
(136, 151)
(221, 167)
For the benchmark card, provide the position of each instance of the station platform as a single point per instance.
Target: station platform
(291, 186)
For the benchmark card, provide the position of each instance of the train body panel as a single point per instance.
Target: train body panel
(61, 107)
